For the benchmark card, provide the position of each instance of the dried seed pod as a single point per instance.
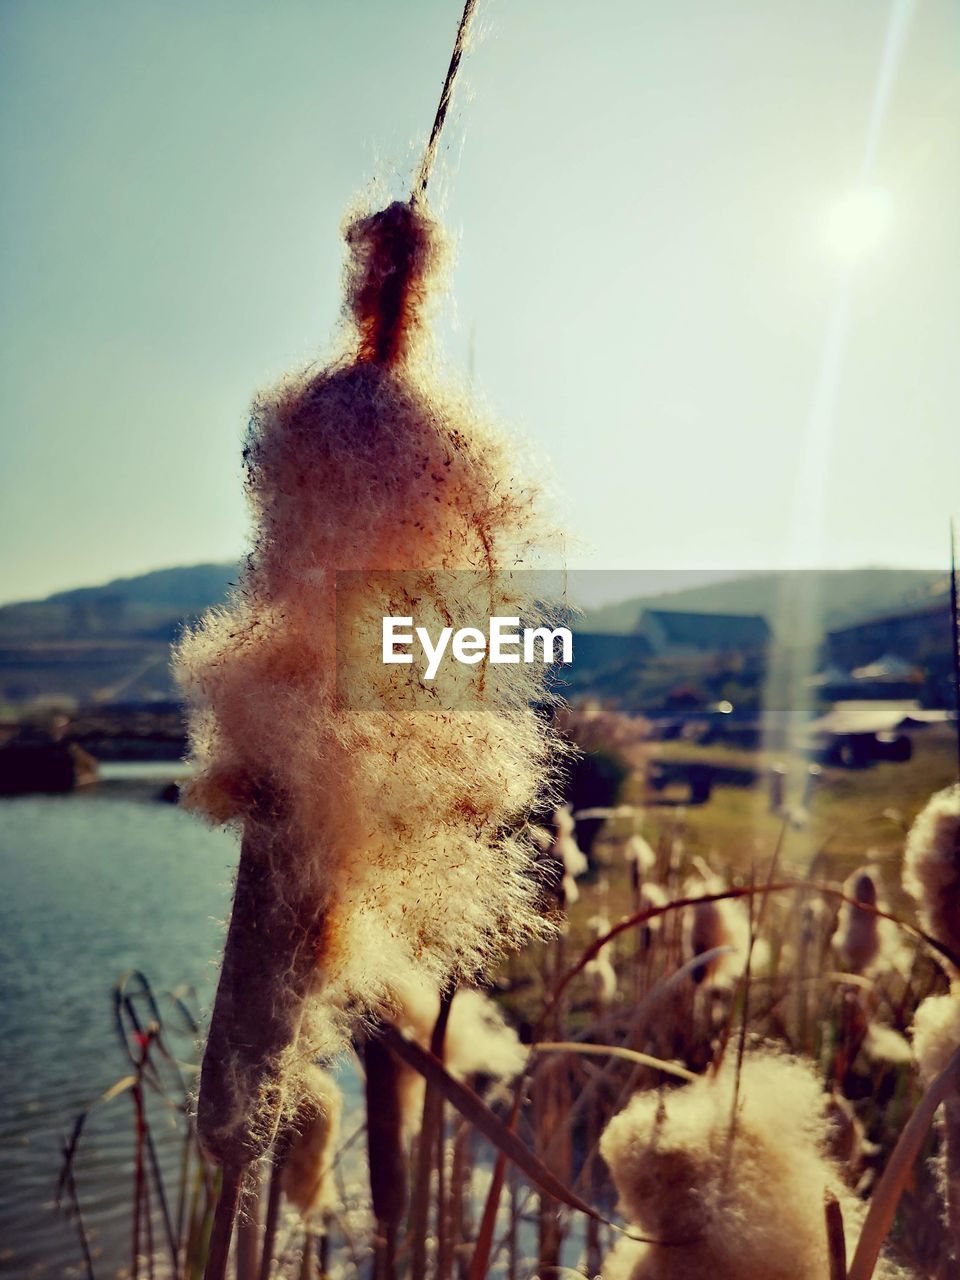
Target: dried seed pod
(746, 1198)
(307, 1177)
(931, 867)
(858, 932)
(389, 802)
(936, 1037)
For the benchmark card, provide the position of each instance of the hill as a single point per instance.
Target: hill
(111, 643)
(831, 597)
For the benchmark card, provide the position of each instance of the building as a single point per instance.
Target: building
(676, 634)
(913, 636)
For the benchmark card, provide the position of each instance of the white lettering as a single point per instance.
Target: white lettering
(548, 639)
(391, 637)
(500, 637)
(469, 646)
(434, 654)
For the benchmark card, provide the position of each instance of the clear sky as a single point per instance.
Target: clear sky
(708, 262)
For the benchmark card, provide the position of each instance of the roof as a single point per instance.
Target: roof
(936, 604)
(887, 667)
(876, 717)
(706, 630)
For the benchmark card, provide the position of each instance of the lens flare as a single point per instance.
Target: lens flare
(857, 224)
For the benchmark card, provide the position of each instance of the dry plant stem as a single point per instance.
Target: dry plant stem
(71, 1189)
(886, 1197)
(783, 886)
(274, 1198)
(836, 1240)
(307, 1268)
(459, 1180)
(500, 1135)
(385, 1151)
(429, 155)
(429, 1127)
(444, 1257)
(145, 1070)
(548, 1120)
(255, 1024)
(247, 1252)
(223, 1219)
(139, 1173)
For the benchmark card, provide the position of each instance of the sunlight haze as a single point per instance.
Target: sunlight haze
(657, 208)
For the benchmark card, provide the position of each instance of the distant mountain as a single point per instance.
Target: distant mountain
(104, 644)
(829, 598)
(112, 642)
(148, 605)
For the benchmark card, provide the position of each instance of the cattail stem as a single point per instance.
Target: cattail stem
(384, 1152)
(248, 1227)
(951, 1155)
(430, 1124)
(223, 1219)
(443, 1239)
(429, 155)
(886, 1195)
(255, 1021)
(836, 1239)
(274, 1197)
(307, 1269)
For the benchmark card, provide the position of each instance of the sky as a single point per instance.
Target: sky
(707, 263)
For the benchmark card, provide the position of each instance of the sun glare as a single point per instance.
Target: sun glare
(857, 224)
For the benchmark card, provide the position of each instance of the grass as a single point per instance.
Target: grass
(509, 1183)
(852, 813)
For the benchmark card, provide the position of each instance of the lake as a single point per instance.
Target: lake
(93, 884)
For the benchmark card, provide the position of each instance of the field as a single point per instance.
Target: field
(762, 997)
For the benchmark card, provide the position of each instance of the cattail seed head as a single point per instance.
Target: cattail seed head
(737, 1200)
(931, 867)
(398, 843)
(307, 1177)
(858, 932)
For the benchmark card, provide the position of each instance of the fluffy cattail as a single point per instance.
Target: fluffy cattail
(599, 971)
(638, 854)
(931, 867)
(722, 923)
(565, 847)
(479, 1042)
(566, 855)
(737, 1201)
(936, 1038)
(307, 1178)
(478, 1039)
(382, 817)
(858, 932)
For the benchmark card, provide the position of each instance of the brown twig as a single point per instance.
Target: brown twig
(430, 153)
(430, 1124)
(223, 1219)
(836, 1240)
(274, 1197)
(385, 1151)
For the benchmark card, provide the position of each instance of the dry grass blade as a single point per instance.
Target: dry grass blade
(886, 1197)
(495, 1131)
(615, 1051)
(783, 886)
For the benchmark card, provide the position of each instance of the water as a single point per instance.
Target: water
(91, 885)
